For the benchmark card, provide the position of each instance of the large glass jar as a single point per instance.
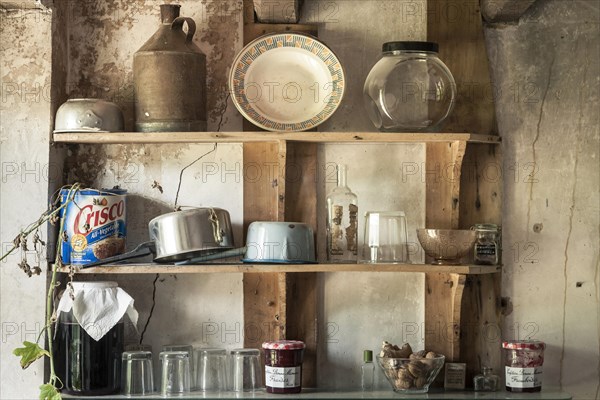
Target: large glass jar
(409, 89)
(86, 366)
(88, 341)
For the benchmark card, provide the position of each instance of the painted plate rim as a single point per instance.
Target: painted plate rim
(268, 124)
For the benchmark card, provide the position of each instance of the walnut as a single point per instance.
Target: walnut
(405, 351)
(417, 369)
(404, 374)
(393, 351)
(431, 354)
(420, 382)
(404, 383)
(418, 355)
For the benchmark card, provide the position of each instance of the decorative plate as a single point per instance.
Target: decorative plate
(286, 82)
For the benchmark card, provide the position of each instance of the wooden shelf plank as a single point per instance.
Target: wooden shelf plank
(434, 393)
(246, 137)
(287, 268)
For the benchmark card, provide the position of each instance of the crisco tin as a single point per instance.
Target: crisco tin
(94, 225)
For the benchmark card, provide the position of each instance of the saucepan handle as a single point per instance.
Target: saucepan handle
(141, 250)
(216, 256)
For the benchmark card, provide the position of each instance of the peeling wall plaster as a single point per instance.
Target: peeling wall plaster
(25, 49)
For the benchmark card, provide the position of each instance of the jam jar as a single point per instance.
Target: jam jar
(283, 366)
(523, 365)
(409, 89)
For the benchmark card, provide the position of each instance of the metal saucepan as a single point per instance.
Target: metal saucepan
(89, 115)
(271, 242)
(183, 235)
(280, 243)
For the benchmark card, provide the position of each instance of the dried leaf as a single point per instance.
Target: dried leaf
(49, 392)
(29, 353)
(156, 185)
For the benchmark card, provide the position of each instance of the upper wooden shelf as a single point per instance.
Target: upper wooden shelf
(241, 137)
(287, 268)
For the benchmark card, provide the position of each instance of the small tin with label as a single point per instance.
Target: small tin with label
(523, 365)
(283, 366)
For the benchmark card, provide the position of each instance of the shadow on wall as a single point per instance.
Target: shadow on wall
(140, 210)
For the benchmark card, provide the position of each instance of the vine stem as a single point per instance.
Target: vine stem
(49, 307)
(34, 226)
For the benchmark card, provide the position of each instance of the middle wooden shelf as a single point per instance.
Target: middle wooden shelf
(283, 268)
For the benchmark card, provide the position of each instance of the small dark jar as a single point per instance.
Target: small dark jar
(283, 366)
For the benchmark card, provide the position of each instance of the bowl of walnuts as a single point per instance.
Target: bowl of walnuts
(408, 371)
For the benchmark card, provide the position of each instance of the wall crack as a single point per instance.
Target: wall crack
(536, 138)
(571, 214)
(151, 308)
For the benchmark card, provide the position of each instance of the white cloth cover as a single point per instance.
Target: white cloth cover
(98, 306)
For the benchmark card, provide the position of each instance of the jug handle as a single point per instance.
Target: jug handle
(177, 24)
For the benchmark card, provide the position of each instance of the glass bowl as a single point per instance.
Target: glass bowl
(410, 375)
(446, 246)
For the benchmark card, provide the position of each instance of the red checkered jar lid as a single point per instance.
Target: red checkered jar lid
(524, 345)
(284, 345)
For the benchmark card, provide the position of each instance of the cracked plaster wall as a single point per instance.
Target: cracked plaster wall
(548, 118)
(25, 114)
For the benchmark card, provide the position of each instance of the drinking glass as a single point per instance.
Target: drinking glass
(385, 240)
(175, 373)
(247, 374)
(211, 369)
(190, 350)
(138, 347)
(137, 377)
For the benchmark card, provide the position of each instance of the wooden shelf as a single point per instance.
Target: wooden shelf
(246, 137)
(284, 268)
(434, 393)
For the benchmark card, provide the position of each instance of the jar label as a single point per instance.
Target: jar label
(485, 249)
(523, 377)
(288, 377)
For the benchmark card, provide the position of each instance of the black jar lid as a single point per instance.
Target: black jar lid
(410, 46)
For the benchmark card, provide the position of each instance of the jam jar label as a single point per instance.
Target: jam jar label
(278, 377)
(523, 377)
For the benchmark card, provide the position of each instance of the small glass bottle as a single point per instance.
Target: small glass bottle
(487, 249)
(486, 381)
(342, 222)
(367, 371)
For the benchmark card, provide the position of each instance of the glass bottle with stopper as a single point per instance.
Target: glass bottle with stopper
(342, 221)
(486, 381)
